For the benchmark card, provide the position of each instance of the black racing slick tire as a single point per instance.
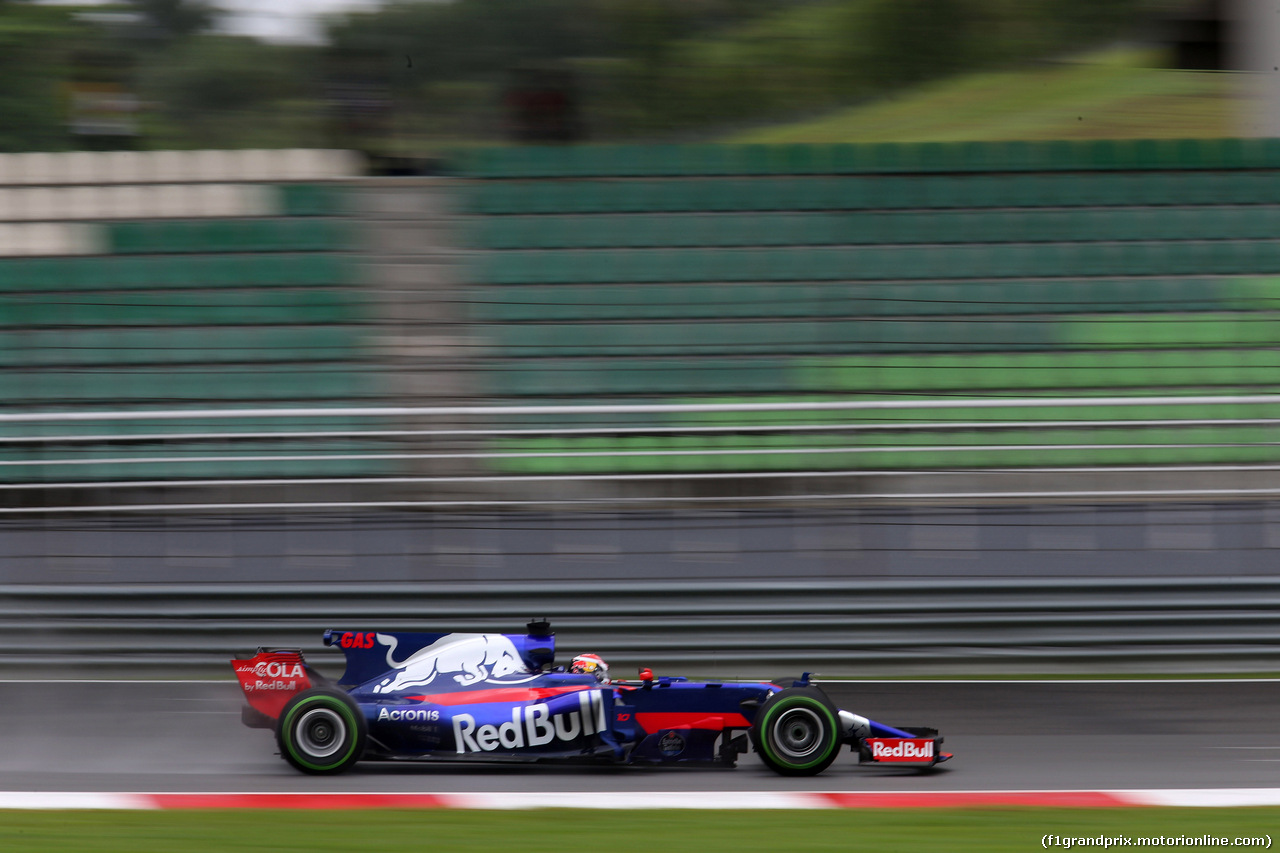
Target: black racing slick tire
(797, 732)
(321, 731)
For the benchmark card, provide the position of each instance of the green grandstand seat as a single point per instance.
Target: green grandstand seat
(1135, 263)
(312, 200)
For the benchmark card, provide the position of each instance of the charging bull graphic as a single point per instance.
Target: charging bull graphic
(471, 658)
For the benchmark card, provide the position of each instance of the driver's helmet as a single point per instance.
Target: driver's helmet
(593, 664)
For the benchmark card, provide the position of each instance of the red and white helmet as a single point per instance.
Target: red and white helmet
(593, 664)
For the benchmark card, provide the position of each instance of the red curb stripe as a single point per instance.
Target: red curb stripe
(1207, 797)
(299, 801)
(830, 799)
(972, 799)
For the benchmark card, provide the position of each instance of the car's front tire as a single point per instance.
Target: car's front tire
(321, 731)
(797, 732)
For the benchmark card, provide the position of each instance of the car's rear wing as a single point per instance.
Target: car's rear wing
(269, 680)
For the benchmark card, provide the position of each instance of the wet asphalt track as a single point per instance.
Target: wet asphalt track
(171, 737)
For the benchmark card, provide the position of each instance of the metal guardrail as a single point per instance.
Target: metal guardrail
(835, 628)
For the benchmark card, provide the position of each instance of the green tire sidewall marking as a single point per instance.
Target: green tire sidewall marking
(327, 701)
(787, 704)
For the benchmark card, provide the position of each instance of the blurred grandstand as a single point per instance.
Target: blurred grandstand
(141, 289)
(996, 319)
(609, 324)
(900, 397)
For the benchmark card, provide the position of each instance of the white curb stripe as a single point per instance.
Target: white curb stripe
(74, 800)
(1206, 797)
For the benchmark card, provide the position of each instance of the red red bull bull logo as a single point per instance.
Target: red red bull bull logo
(532, 726)
(901, 749)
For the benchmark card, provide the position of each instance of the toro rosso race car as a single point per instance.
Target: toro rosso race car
(410, 696)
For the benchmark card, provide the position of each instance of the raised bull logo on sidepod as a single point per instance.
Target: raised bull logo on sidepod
(473, 657)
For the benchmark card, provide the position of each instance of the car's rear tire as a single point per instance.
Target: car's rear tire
(797, 732)
(321, 731)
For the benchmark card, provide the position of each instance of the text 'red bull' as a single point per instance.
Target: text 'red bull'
(531, 726)
(901, 749)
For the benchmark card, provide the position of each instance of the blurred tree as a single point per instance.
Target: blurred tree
(174, 19)
(410, 71)
(912, 40)
(470, 38)
(230, 91)
(34, 45)
(1091, 21)
(621, 52)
